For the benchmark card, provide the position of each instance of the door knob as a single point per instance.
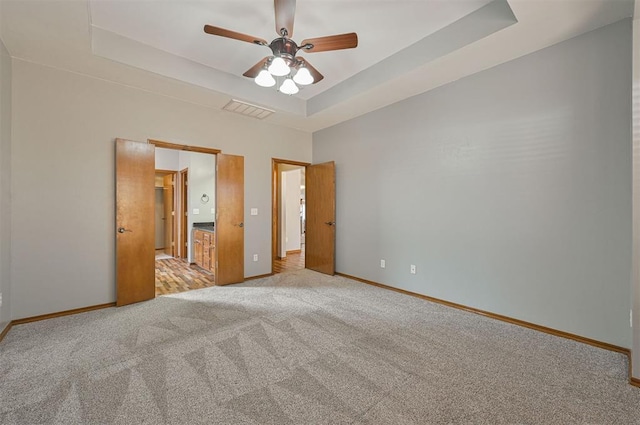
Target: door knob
(241, 224)
(122, 230)
(330, 223)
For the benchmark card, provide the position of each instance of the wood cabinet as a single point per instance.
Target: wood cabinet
(204, 253)
(198, 237)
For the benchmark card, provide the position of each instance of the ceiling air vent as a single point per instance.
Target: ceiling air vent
(244, 108)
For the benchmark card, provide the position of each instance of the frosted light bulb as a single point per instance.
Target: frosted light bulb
(279, 67)
(303, 77)
(264, 79)
(289, 87)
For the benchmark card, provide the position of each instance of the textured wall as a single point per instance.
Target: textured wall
(509, 189)
(635, 288)
(5, 186)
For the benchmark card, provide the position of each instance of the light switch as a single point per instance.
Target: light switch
(254, 211)
(196, 211)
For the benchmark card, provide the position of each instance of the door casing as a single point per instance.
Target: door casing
(275, 204)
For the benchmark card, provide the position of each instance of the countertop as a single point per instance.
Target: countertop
(207, 227)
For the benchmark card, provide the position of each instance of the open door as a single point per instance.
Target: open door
(229, 227)
(169, 214)
(135, 247)
(184, 214)
(320, 240)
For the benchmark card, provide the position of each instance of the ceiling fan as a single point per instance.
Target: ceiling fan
(284, 62)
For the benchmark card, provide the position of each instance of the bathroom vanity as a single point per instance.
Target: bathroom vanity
(204, 246)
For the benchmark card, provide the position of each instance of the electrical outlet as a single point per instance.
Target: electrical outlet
(254, 211)
(382, 264)
(255, 257)
(413, 269)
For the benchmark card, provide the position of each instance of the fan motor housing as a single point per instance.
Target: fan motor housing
(284, 48)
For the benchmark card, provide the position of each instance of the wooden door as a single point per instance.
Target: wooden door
(321, 218)
(230, 219)
(169, 243)
(184, 215)
(135, 247)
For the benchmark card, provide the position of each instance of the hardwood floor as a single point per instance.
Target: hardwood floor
(290, 262)
(175, 275)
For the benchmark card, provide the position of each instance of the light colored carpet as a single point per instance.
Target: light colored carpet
(303, 348)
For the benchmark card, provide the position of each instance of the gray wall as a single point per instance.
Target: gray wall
(635, 288)
(64, 125)
(202, 180)
(5, 186)
(291, 181)
(509, 189)
(167, 159)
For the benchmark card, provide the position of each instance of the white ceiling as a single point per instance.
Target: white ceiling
(405, 47)
(177, 28)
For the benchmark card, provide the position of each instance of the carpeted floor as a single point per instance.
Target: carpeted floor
(303, 348)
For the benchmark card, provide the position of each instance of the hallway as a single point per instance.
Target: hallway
(290, 262)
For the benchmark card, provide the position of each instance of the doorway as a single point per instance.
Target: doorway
(166, 226)
(188, 182)
(289, 216)
(135, 174)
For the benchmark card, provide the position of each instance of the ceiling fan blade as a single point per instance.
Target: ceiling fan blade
(314, 72)
(255, 69)
(331, 42)
(285, 12)
(209, 29)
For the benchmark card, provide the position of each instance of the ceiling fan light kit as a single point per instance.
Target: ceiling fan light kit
(264, 79)
(279, 67)
(303, 77)
(289, 87)
(293, 71)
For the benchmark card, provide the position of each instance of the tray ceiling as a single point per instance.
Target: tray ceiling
(405, 47)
